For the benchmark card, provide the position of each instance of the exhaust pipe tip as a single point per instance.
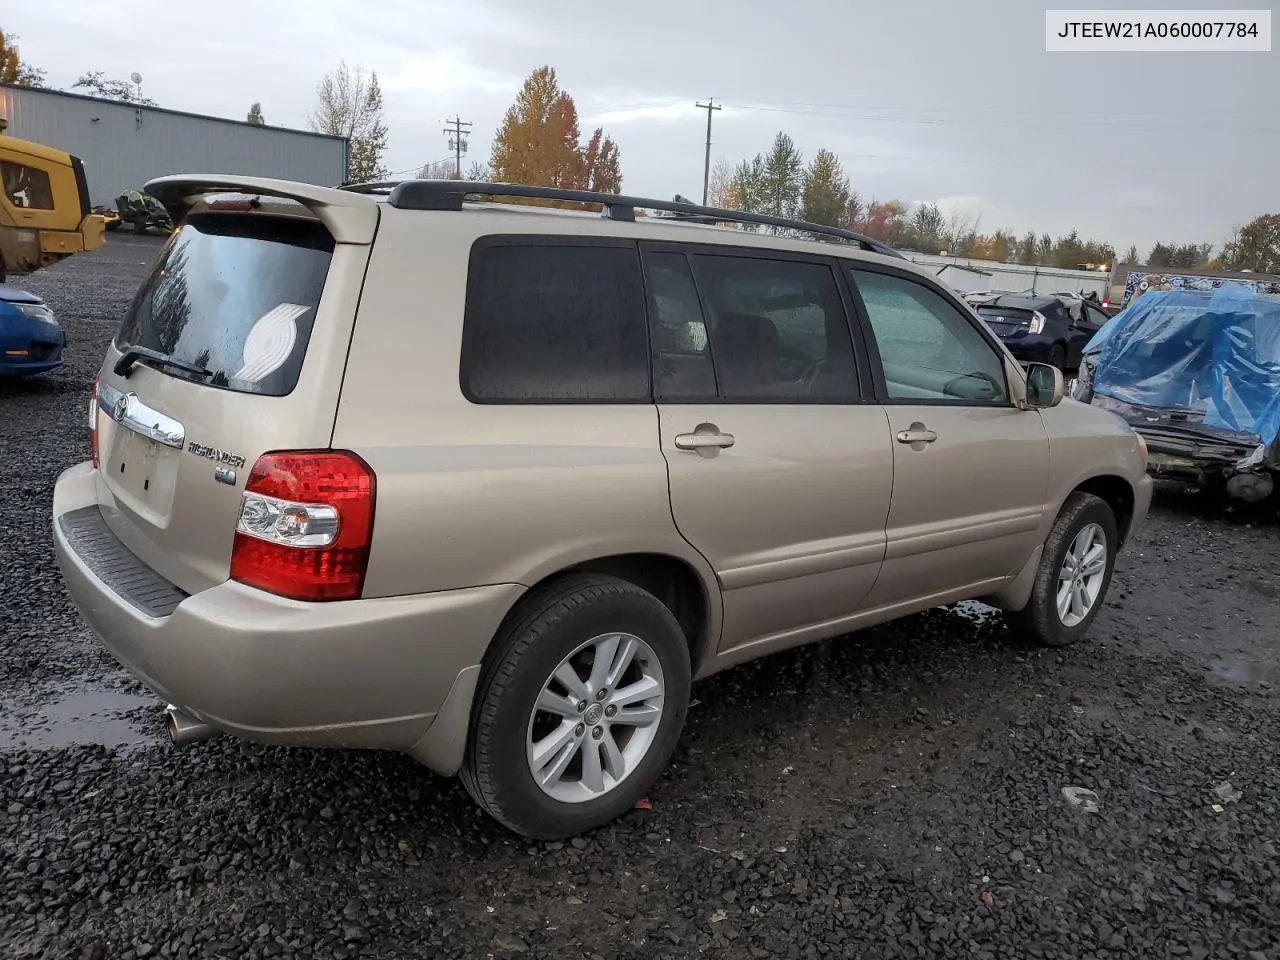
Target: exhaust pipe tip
(183, 728)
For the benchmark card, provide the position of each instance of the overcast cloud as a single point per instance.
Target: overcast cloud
(922, 99)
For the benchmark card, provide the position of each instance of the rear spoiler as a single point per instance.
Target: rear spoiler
(350, 217)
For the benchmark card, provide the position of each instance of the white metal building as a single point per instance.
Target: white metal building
(124, 145)
(966, 274)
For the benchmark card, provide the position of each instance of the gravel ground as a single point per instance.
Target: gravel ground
(898, 794)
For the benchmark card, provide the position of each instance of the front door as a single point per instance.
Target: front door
(970, 469)
(780, 472)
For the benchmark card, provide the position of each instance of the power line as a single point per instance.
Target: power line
(458, 140)
(709, 106)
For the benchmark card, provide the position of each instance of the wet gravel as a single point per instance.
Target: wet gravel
(896, 794)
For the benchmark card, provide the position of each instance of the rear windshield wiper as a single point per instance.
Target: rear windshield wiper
(133, 354)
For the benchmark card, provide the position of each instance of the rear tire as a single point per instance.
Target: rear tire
(1058, 357)
(571, 621)
(1072, 580)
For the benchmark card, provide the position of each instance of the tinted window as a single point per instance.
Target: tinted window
(928, 348)
(555, 323)
(778, 330)
(237, 295)
(26, 186)
(682, 366)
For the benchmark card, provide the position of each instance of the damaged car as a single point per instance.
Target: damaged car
(1197, 375)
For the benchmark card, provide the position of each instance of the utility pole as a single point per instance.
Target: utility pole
(458, 141)
(709, 106)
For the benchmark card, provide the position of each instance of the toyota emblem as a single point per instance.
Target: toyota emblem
(122, 408)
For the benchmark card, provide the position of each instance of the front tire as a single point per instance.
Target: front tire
(578, 709)
(1075, 572)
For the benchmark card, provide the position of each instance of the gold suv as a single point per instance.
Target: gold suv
(427, 467)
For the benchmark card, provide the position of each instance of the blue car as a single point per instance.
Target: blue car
(31, 341)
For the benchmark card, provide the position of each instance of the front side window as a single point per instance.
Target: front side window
(929, 350)
(25, 186)
(777, 330)
(554, 323)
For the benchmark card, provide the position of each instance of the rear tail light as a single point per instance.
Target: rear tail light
(1106, 301)
(305, 525)
(1037, 322)
(93, 421)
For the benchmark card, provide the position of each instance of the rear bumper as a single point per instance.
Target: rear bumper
(365, 673)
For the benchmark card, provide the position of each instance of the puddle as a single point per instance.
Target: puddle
(976, 611)
(75, 718)
(1238, 670)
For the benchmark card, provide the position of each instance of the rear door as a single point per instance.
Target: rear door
(233, 346)
(780, 470)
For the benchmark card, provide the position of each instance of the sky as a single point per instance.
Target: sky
(922, 100)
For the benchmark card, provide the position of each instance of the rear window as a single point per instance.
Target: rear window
(554, 322)
(237, 295)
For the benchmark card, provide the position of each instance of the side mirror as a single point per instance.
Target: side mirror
(1045, 386)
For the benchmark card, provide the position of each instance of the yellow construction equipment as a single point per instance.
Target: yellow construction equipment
(44, 207)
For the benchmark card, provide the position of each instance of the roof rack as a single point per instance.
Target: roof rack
(451, 194)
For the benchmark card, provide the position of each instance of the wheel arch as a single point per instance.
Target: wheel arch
(691, 594)
(1116, 492)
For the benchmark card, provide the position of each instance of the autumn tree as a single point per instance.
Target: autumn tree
(255, 114)
(824, 195)
(601, 167)
(538, 143)
(995, 247)
(99, 84)
(720, 186)
(885, 221)
(1255, 246)
(1001, 248)
(351, 106)
(12, 69)
(747, 187)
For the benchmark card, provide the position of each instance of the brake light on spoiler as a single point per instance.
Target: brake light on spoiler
(306, 525)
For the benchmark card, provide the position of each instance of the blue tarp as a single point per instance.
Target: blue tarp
(1212, 351)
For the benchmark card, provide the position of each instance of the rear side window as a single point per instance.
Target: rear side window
(554, 323)
(773, 331)
(236, 295)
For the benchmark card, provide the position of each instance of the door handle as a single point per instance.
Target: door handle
(698, 440)
(916, 433)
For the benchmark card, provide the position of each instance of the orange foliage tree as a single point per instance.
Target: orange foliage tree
(538, 143)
